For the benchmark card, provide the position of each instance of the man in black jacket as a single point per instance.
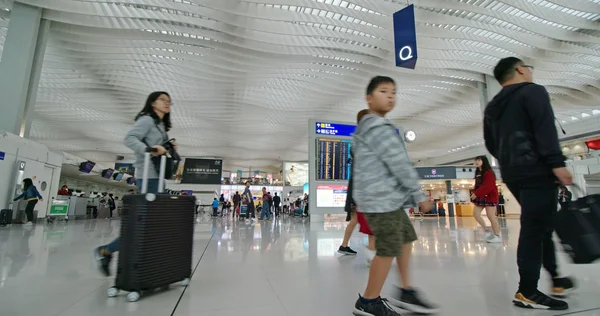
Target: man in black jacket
(519, 131)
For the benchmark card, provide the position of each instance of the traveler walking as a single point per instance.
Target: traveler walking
(485, 196)
(519, 131)
(277, 204)
(148, 132)
(385, 183)
(31, 194)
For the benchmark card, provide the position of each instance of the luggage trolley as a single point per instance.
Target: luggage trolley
(58, 208)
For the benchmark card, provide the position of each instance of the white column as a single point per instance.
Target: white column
(20, 66)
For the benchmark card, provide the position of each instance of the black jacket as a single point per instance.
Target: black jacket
(519, 131)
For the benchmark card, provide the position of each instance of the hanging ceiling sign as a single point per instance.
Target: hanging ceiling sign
(405, 38)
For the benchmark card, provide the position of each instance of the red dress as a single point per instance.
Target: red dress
(486, 190)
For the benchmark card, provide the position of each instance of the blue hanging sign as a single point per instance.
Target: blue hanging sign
(405, 38)
(2, 155)
(333, 129)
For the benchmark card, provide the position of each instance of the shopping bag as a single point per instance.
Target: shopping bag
(578, 227)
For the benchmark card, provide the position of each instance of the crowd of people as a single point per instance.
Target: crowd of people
(519, 132)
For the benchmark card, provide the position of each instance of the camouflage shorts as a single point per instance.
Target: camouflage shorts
(392, 230)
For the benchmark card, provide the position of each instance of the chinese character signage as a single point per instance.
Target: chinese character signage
(333, 129)
(202, 171)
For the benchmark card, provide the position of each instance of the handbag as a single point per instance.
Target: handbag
(578, 227)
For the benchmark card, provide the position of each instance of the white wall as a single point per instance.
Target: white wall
(511, 206)
(38, 160)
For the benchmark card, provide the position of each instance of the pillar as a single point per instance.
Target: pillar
(487, 91)
(20, 67)
(449, 191)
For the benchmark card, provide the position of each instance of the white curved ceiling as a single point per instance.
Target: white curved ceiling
(246, 76)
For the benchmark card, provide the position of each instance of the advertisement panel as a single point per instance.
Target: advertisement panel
(202, 171)
(296, 174)
(331, 195)
(125, 168)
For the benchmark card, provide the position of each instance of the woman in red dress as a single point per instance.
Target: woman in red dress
(485, 196)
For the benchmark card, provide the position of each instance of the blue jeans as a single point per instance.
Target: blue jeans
(152, 188)
(266, 209)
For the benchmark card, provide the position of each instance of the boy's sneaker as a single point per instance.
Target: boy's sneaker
(103, 260)
(378, 307)
(539, 300)
(346, 251)
(561, 287)
(410, 300)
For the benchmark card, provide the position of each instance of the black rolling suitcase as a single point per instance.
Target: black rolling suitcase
(578, 227)
(156, 240)
(6, 216)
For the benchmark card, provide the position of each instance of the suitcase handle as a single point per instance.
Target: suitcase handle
(161, 173)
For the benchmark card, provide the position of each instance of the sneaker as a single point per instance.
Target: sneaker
(495, 239)
(487, 235)
(103, 261)
(378, 307)
(28, 224)
(539, 300)
(346, 251)
(561, 287)
(410, 300)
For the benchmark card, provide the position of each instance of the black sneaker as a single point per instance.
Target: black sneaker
(346, 251)
(539, 300)
(410, 300)
(103, 261)
(379, 307)
(561, 287)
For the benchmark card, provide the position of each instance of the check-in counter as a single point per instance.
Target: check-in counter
(464, 210)
(77, 207)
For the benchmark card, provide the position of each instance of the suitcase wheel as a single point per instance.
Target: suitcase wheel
(133, 296)
(185, 282)
(112, 292)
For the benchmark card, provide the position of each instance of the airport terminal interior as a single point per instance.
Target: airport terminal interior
(254, 103)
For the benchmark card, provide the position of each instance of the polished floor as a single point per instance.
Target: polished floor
(285, 267)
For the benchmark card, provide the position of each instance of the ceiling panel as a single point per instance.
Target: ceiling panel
(246, 76)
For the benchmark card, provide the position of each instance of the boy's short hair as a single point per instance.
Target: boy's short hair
(376, 81)
(505, 69)
(361, 114)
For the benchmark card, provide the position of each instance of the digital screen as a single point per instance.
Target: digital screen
(331, 195)
(108, 173)
(333, 159)
(131, 180)
(118, 176)
(335, 129)
(86, 166)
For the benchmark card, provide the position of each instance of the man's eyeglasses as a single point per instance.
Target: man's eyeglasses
(528, 66)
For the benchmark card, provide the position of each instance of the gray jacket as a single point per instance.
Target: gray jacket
(384, 179)
(145, 130)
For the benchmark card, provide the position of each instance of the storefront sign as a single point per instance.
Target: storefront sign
(436, 172)
(202, 171)
(405, 38)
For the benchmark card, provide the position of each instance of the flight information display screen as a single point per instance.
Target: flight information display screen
(333, 159)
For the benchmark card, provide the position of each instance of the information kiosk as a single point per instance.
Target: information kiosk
(330, 165)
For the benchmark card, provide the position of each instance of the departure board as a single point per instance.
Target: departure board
(333, 159)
